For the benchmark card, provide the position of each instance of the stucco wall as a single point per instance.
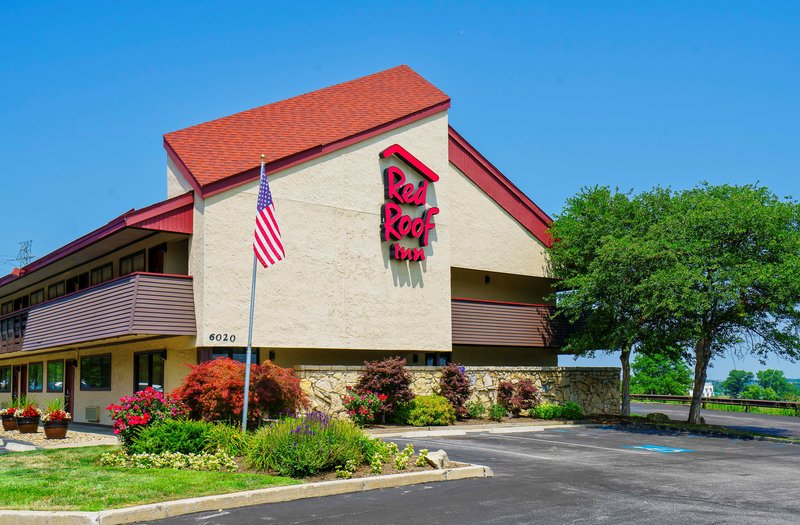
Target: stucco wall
(487, 237)
(500, 286)
(337, 287)
(180, 352)
(596, 390)
(176, 182)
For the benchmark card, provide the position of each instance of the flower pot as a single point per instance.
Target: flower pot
(9, 423)
(28, 425)
(55, 429)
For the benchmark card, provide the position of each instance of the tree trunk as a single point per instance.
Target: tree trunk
(702, 355)
(625, 359)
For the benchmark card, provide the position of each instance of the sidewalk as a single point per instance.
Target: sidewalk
(462, 428)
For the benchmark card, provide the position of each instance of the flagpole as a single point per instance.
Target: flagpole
(250, 336)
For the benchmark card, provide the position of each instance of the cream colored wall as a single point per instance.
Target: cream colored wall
(485, 237)
(310, 356)
(176, 182)
(504, 356)
(471, 284)
(180, 352)
(337, 287)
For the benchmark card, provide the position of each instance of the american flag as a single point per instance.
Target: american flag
(267, 240)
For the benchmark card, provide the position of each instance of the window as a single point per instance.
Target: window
(7, 308)
(102, 274)
(55, 376)
(132, 263)
(437, 358)
(148, 370)
(37, 297)
(237, 354)
(5, 379)
(96, 372)
(20, 303)
(79, 282)
(56, 290)
(35, 371)
(156, 258)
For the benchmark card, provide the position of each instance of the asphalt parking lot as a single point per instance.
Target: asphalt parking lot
(571, 475)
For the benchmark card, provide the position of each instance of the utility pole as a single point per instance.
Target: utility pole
(24, 256)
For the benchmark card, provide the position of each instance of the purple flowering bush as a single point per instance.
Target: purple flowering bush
(304, 446)
(454, 386)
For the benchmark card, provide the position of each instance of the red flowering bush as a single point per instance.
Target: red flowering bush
(141, 409)
(29, 410)
(389, 377)
(362, 408)
(55, 412)
(517, 397)
(8, 411)
(454, 386)
(214, 391)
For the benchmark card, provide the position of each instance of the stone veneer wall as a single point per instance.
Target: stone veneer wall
(596, 390)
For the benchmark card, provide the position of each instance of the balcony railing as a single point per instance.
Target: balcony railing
(495, 323)
(136, 304)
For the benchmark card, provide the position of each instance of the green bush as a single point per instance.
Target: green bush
(301, 447)
(172, 435)
(423, 411)
(497, 412)
(568, 410)
(476, 410)
(228, 439)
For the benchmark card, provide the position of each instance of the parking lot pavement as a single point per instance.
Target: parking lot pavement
(786, 426)
(571, 475)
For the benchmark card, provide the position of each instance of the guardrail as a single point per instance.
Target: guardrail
(746, 403)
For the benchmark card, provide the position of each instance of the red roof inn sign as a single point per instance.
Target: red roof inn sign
(395, 223)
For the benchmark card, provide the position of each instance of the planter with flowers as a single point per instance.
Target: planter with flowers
(7, 416)
(56, 420)
(28, 419)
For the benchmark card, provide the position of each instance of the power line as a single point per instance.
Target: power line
(24, 257)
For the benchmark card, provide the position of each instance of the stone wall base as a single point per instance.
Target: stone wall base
(596, 390)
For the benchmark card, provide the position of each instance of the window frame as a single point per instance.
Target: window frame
(131, 258)
(55, 285)
(30, 376)
(38, 292)
(229, 352)
(7, 388)
(136, 369)
(47, 382)
(99, 271)
(110, 372)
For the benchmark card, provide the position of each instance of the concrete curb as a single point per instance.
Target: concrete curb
(168, 509)
(464, 430)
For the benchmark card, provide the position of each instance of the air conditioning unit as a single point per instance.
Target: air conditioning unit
(93, 414)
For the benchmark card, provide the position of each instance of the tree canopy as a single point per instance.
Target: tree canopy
(660, 374)
(736, 382)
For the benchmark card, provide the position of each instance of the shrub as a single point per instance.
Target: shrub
(423, 411)
(143, 408)
(362, 408)
(389, 377)
(476, 410)
(568, 410)
(497, 412)
(176, 460)
(516, 398)
(454, 385)
(183, 436)
(214, 391)
(228, 439)
(304, 446)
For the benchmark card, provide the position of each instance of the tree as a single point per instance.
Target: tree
(775, 380)
(601, 255)
(759, 392)
(661, 374)
(733, 274)
(736, 382)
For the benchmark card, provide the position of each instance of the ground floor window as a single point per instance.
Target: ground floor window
(35, 373)
(55, 376)
(437, 358)
(148, 370)
(96, 372)
(237, 354)
(5, 379)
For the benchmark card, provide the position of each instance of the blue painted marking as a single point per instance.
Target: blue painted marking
(660, 449)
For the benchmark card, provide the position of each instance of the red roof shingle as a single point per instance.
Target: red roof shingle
(218, 150)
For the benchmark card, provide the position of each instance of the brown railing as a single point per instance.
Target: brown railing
(746, 403)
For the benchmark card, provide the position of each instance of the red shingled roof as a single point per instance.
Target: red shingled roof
(221, 153)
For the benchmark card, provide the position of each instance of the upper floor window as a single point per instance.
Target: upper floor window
(37, 297)
(102, 274)
(7, 308)
(132, 263)
(79, 282)
(20, 303)
(56, 290)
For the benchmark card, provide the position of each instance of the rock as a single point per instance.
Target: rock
(19, 447)
(702, 420)
(658, 417)
(438, 459)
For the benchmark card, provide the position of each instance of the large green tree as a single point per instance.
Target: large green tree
(732, 275)
(601, 255)
(736, 382)
(774, 379)
(661, 374)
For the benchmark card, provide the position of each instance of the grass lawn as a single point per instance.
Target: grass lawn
(73, 479)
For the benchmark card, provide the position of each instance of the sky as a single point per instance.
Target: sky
(557, 95)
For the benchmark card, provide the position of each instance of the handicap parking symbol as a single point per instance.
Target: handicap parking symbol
(661, 449)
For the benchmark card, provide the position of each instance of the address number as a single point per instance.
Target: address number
(222, 338)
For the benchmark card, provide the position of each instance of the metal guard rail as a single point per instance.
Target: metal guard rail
(746, 403)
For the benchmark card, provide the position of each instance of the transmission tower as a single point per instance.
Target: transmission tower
(24, 256)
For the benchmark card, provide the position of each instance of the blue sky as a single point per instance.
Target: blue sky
(557, 95)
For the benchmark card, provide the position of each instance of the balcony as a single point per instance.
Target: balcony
(478, 322)
(132, 305)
